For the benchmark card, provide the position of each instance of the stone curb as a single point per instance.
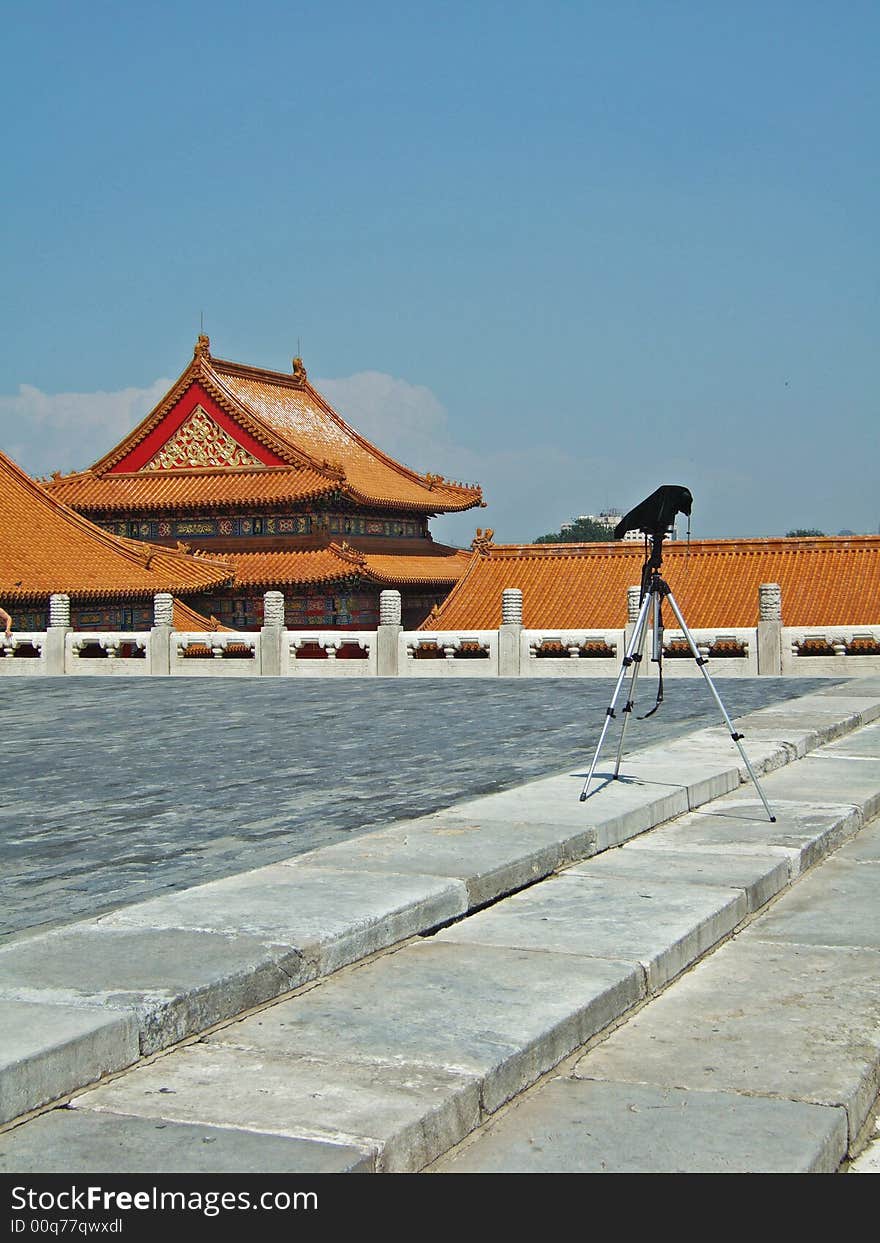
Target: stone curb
(171, 967)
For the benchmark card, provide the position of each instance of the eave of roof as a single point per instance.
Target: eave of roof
(48, 548)
(338, 562)
(194, 490)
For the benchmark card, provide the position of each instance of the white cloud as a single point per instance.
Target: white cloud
(43, 432)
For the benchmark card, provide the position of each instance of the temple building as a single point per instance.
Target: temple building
(825, 581)
(255, 466)
(47, 549)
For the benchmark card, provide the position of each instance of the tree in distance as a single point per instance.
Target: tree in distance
(581, 531)
(804, 531)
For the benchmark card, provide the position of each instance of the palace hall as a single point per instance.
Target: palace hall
(255, 467)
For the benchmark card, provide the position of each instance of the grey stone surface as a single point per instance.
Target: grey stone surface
(47, 1050)
(499, 1015)
(825, 778)
(803, 833)
(865, 847)
(613, 812)
(579, 1127)
(664, 925)
(760, 877)
(153, 784)
(837, 905)
(864, 742)
(175, 982)
(489, 859)
(402, 1121)
(77, 1141)
(790, 1021)
(328, 917)
(703, 778)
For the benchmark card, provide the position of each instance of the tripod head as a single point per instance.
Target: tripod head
(656, 513)
(654, 516)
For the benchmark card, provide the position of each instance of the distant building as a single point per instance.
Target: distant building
(255, 467)
(609, 519)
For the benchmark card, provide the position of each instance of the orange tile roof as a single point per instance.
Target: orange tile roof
(334, 562)
(186, 618)
(834, 580)
(47, 548)
(145, 492)
(299, 414)
(283, 419)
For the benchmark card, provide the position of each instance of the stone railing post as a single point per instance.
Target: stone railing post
(159, 645)
(272, 635)
(770, 629)
(390, 627)
(59, 625)
(510, 633)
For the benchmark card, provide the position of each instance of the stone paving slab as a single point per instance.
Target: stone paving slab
(614, 811)
(803, 833)
(704, 777)
(489, 859)
(788, 1021)
(662, 924)
(759, 876)
(865, 742)
(503, 1016)
(821, 778)
(77, 1141)
(401, 1121)
(174, 982)
(46, 1050)
(326, 916)
(765, 751)
(840, 907)
(584, 1127)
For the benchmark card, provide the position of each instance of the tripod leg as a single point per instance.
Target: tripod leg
(631, 700)
(636, 644)
(734, 735)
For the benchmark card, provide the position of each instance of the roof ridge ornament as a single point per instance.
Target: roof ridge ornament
(202, 347)
(299, 370)
(482, 541)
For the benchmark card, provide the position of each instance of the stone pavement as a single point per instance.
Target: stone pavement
(116, 789)
(655, 979)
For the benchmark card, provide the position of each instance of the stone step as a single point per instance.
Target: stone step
(765, 1057)
(399, 1058)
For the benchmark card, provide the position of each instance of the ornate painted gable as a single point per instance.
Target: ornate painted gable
(200, 441)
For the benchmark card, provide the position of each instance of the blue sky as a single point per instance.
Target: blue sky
(570, 250)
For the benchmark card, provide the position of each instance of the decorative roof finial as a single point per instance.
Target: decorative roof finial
(202, 347)
(482, 541)
(299, 370)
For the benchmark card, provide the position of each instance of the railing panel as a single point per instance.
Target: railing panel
(718, 647)
(571, 653)
(830, 651)
(330, 653)
(16, 654)
(448, 654)
(107, 653)
(214, 658)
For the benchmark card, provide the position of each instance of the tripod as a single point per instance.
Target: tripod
(654, 590)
